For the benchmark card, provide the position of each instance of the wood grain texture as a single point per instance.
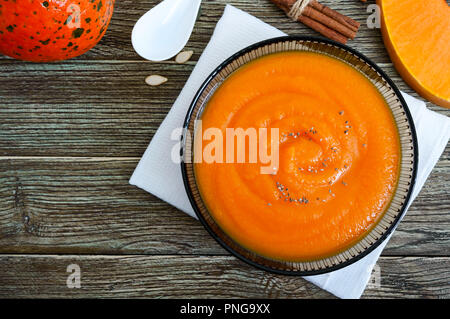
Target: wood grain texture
(202, 277)
(87, 206)
(101, 108)
(71, 134)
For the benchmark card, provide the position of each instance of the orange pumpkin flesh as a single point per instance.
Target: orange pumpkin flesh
(52, 30)
(417, 37)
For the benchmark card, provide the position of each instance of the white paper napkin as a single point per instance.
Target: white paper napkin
(159, 175)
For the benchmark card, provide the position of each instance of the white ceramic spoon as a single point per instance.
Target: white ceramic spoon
(164, 30)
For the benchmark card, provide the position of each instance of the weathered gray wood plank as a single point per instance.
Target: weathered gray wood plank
(87, 206)
(201, 277)
(101, 108)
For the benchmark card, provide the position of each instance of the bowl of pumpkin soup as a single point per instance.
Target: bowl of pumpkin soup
(299, 155)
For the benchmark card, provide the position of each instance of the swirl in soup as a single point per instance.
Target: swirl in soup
(339, 156)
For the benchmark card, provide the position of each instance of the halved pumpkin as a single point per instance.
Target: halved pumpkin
(417, 36)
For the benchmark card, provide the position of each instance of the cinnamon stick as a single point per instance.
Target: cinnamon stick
(322, 29)
(336, 25)
(324, 20)
(335, 15)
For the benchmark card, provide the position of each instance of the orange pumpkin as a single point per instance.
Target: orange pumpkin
(417, 37)
(52, 30)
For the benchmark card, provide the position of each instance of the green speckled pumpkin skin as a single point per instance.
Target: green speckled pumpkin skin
(52, 30)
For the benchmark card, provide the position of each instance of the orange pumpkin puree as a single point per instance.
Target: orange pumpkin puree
(339, 156)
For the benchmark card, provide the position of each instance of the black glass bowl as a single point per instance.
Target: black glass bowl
(408, 142)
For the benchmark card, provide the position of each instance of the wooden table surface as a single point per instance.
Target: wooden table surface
(71, 134)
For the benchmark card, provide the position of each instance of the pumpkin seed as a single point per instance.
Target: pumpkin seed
(183, 57)
(155, 80)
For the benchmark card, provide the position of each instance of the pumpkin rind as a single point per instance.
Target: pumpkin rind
(52, 30)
